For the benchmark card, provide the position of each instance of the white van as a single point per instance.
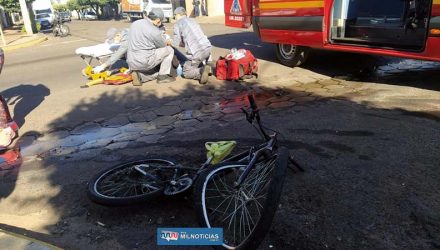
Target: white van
(164, 5)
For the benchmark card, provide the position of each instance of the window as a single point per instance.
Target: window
(43, 16)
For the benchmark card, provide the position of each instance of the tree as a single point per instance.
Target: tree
(60, 7)
(73, 5)
(96, 5)
(12, 5)
(112, 3)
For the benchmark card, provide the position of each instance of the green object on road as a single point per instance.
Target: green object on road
(219, 150)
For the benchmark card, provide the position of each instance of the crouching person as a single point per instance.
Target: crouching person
(188, 34)
(148, 55)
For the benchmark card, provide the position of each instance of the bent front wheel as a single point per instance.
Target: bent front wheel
(246, 212)
(131, 182)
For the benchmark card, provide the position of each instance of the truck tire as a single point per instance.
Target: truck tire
(291, 55)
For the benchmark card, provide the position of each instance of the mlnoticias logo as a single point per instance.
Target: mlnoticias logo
(185, 236)
(169, 235)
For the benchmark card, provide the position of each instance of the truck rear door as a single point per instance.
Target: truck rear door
(238, 13)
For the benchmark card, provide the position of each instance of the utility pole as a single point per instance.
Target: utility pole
(1, 33)
(26, 18)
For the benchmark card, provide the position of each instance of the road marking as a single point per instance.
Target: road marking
(65, 42)
(73, 41)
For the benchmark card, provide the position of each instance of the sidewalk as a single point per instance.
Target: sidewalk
(10, 240)
(15, 39)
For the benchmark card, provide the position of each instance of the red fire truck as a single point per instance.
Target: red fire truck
(401, 28)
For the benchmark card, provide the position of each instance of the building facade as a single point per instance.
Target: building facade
(207, 7)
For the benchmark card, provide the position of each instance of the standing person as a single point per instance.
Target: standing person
(188, 34)
(148, 50)
(8, 127)
(204, 8)
(196, 5)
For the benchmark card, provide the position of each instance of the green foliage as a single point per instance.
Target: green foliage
(12, 5)
(23, 29)
(60, 7)
(73, 5)
(85, 4)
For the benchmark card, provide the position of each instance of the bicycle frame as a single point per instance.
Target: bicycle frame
(250, 156)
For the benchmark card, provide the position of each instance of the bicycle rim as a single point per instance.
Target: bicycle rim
(64, 30)
(237, 211)
(133, 180)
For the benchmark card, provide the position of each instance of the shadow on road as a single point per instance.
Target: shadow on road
(368, 181)
(245, 40)
(26, 98)
(346, 66)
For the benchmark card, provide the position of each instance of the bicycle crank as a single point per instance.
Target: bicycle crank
(178, 186)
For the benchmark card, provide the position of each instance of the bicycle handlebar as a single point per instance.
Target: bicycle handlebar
(254, 114)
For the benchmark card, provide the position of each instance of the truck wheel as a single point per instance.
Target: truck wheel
(291, 55)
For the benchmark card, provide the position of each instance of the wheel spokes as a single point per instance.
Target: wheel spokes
(237, 210)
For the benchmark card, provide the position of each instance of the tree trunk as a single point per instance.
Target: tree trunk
(32, 17)
(95, 8)
(101, 10)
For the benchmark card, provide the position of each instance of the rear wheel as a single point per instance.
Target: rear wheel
(132, 182)
(245, 213)
(64, 30)
(291, 55)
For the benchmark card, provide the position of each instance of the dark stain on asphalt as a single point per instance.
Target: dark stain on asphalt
(333, 132)
(364, 157)
(431, 116)
(380, 116)
(312, 149)
(337, 146)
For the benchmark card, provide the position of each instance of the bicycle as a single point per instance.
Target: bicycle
(60, 28)
(249, 184)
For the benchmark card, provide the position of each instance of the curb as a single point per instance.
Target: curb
(25, 44)
(39, 243)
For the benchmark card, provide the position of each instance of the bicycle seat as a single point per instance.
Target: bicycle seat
(219, 150)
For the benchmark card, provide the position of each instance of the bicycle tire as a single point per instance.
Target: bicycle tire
(132, 176)
(262, 225)
(64, 30)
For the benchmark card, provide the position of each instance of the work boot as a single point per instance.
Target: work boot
(165, 79)
(206, 70)
(136, 78)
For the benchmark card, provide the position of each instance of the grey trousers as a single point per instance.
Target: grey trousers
(158, 64)
(192, 69)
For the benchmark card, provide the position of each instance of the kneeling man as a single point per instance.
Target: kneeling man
(148, 55)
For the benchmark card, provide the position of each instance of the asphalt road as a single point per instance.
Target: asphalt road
(45, 76)
(371, 181)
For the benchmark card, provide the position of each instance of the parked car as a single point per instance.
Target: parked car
(45, 20)
(90, 15)
(65, 16)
